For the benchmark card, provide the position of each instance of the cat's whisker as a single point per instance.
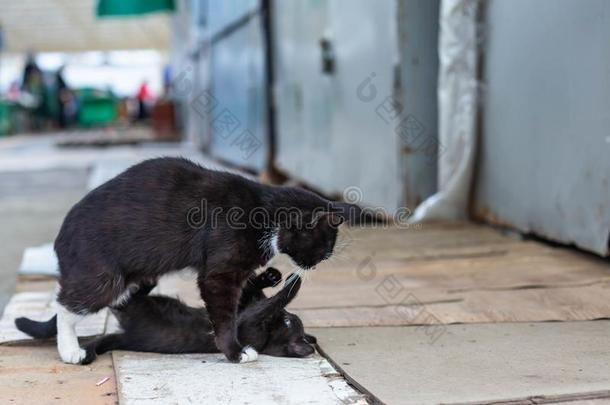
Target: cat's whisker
(293, 281)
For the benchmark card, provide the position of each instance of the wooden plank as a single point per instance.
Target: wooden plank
(527, 305)
(146, 378)
(36, 375)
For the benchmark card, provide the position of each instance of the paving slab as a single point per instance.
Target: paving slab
(476, 363)
(146, 378)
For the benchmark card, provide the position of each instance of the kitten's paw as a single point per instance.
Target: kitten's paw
(73, 356)
(272, 276)
(248, 354)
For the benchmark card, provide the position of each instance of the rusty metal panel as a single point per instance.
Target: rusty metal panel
(335, 68)
(545, 155)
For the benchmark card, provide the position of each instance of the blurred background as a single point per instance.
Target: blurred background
(490, 118)
(501, 111)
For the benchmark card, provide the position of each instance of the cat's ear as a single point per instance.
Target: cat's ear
(349, 213)
(316, 216)
(334, 218)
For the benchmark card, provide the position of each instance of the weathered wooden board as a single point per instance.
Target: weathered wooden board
(526, 305)
(441, 274)
(146, 378)
(36, 375)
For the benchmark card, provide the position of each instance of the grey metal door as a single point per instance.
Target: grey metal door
(545, 157)
(237, 120)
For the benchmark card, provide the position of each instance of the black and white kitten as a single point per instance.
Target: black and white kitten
(161, 324)
(166, 214)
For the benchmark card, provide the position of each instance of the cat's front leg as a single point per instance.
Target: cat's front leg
(221, 290)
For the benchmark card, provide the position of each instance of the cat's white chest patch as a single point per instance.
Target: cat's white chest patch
(269, 245)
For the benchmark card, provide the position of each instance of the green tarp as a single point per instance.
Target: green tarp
(132, 7)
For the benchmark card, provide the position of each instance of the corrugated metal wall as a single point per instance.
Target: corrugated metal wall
(545, 156)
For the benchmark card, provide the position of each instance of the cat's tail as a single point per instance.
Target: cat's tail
(38, 329)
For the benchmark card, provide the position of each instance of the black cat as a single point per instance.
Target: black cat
(161, 324)
(166, 214)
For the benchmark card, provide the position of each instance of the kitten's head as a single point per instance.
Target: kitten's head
(287, 337)
(286, 334)
(272, 330)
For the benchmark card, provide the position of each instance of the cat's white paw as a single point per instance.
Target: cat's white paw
(73, 356)
(248, 354)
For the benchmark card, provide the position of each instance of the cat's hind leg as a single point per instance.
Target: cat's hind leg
(106, 343)
(67, 340)
(80, 295)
